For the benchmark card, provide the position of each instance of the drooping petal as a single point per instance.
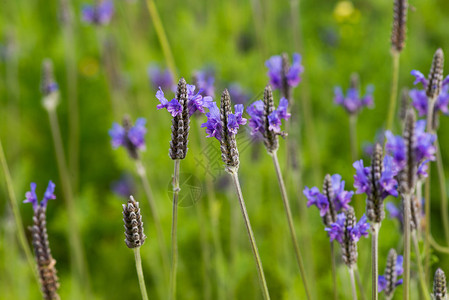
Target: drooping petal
(49, 193)
(419, 78)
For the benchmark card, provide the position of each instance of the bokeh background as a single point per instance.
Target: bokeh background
(234, 38)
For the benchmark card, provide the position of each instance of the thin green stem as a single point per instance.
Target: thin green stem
(353, 289)
(291, 225)
(375, 227)
(353, 136)
(154, 213)
(143, 289)
(162, 37)
(422, 280)
(437, 246)
(174, 241)
(359, 283)
(334, 271)
(406, 289)
(443, 193)
(20, 231)
(252, 240)
(78, 259)
(394, 89)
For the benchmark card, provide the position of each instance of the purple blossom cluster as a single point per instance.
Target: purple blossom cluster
(195, 101)
(213, 125)
(352, 102)
(399, 271)
(419, 97)
(340, 200)
(424, 149)
(256, 112)
(205, 80)
(387, 183)
(134, 136)
(99, 14)
(238, 94)
(160, 78)
(274, 65)
(31, 196)
(337, 230)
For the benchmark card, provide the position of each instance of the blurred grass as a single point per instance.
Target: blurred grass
(221, 34)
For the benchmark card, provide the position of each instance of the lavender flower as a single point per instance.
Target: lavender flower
(124, 187)
(128, 136)
(99, 14)
(389, 281)
(159, 78)
(195, 102)
(439, 285)
(134, 236)
(353, 103)
(314, 197)
(205, 80)
(32, 198)
(238, 94)
(281, 74)
(347, 231)
(213, 125)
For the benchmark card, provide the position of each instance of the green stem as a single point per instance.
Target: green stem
(16, 212)
(443, 193)
(353, 136)
(154, 213)
(359, 282)
(291, 225)
(162, 37)
(437, 246)
(78, 259)
(375, 227)
(353, 289)
(174, 241)
(334, 271)
(252, 240)
(394, 89)
(422, 280)
(143, 289)
(406, 289)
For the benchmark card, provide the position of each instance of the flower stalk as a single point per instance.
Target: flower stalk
(174, 241)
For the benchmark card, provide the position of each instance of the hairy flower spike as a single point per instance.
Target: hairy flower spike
(329, 193)
(439, 285)
(229, 152)
(180, 124)
(349, 246)
(409, 174)
(134, 236)
(270, 137)
(399, 29)
(374, 202)
(390, 273)
(285, 87)
(435, 80)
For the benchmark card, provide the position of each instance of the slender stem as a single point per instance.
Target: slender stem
(394, 89)
(359, 282)
(443, 193)
(78, 259)
(174, 241)
(353, 289)
(427, 254)
(162, 37)
(334, 271)
(154, 213)
(20, 231)
(252, 240)
(406, 289)
(374, 259)
(437, 246)
(353, 136)
(422, 279)
(143, 289)
(291, 225)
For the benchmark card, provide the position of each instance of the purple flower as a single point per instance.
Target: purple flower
(32, 198)
(205, 81)
(159, 78)
(195, 102)
(361, 178)
(134, 135)
(238, 95)
(274, 65)
(256, 112)
(337, 229)
(360, 229)
(100, 14)
(419, 97)
(382, 282)
(352, 102)
(213, 124)
(399, 270)
(314, 197)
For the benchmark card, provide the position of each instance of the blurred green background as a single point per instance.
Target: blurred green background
(335, 38)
